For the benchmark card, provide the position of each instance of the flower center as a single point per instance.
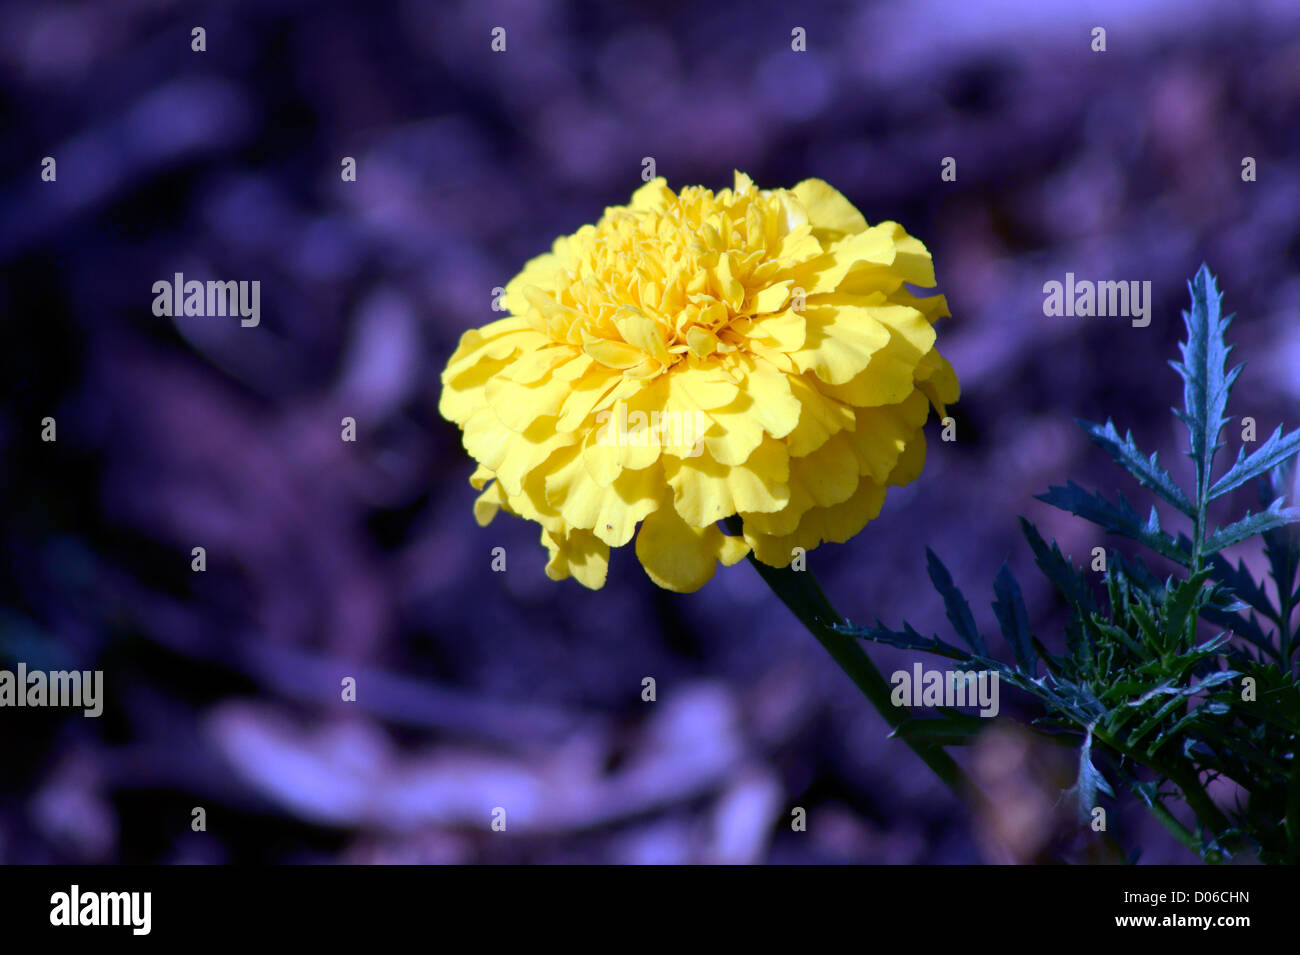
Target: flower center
(667, 282)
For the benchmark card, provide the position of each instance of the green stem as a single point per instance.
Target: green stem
(800, 592)
(1181, 832)
(1285, 610)
(1209, 814)
(1184, 776)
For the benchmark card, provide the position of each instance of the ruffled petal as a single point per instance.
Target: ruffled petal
(681, 557)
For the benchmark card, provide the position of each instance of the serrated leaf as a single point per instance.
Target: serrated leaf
(1009, 607)
(1056, 568)
(1146, 623)
(1282, 549)
(1105, 628)
(1252, 525)
(955, 604)
(1136, 577)
(905, 639)
(1273, 452)
(1118, 518)
(1177, 696)
(1207, 382)
(1146, 470)
(1247, 628)
(1183, 601)
(1239, 580)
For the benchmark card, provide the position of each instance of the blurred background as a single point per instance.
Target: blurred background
(326, 559)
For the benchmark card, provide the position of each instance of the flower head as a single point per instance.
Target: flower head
(697, 355)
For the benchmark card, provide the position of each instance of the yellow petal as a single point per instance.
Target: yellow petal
(798, 249)
(487, 504)
(785, 331)
(705, 491)
(538, 272)
(937, 380)
(828, 209)
(680, 557)
(840, 342)
(535, 364)
(511, 455)
(772, 297)
(518, 406)
(642, 332)
(612, 512)
(835, 524)
(703, 388)
(495, 340)
(585, 393)
(831, 472)
(701, 341)
(912, 259)
(655, 194)
(463, 393)
(820, 416)
(887, 379)
(602, 456)
(774, 405)
(611, 353)
(579, 555)
(882, 434)
(910, 462)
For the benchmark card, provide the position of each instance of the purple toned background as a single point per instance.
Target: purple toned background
(327, 559)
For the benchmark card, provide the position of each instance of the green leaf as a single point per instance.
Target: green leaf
(1134, 576)
(1118, 518)
(1183, 604)
(1013, 619)
(1273, 452)
(1146, 622)
(905, 639)
(1186, 727)
(1239, 580)
(955, 605)
(1146, 470)
(1276, 516)
(1068, 581)
(1246, 628)
(1177, 696)
(951, 729)
(1282, 549)
(1223, 608)
(1207, 382)
(1109, 630)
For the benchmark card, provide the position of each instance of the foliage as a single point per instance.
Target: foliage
(1165, 683)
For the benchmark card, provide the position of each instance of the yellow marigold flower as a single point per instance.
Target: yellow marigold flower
(697, 355)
